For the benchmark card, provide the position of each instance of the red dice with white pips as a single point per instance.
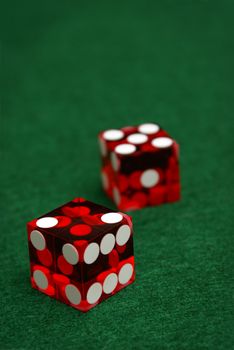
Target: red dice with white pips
(81, 253)
(140, 166)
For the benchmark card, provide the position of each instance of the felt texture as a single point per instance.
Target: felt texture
(73, 68)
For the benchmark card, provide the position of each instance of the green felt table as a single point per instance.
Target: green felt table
(73, 68)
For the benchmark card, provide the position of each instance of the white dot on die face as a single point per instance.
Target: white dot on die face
(162, 142)
(94, 293)
(103, 147)
(114, 161)
(125, 149)
(125, 273)
(73, 294)
(91, 253)
(149, 178)
(123, 234)
(137, 139)
(149, 128)
(110, 283)
(113, 135)
(70, 254)
(38, 240)
(46, 222)
(112, 218)
(107, 243)
(40, 279)
(116, 196)
(105, 182)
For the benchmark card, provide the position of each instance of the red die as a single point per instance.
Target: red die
(81, 253)
(140, 166)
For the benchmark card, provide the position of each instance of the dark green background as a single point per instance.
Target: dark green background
(73, 68)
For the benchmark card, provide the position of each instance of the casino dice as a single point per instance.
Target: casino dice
(81, 253)
(140, 166)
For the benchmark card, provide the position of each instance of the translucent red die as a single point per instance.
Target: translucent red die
(81, 253)
(140, 166)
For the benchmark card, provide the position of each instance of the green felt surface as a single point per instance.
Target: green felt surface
(73, 68)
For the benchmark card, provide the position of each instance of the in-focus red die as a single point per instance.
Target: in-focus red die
(140, 166)
(81, 253)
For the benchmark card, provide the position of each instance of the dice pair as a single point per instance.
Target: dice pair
(82, 253)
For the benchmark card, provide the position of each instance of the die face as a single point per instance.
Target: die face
(133, 140)
(142, 168)
(126, 155)
(76, 220)
(68, 265)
